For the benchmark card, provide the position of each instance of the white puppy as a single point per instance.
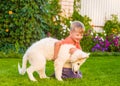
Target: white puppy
(43, 50)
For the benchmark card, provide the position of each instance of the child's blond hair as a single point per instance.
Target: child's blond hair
(77, 25)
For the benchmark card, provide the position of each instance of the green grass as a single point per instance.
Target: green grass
(96, 71)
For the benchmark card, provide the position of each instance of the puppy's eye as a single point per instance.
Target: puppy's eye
(78, 63)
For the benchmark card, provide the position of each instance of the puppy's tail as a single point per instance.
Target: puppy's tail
(24, 63)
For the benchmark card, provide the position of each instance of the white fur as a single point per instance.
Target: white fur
(43, 50)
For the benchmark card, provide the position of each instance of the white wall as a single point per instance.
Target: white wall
(67, 7)
(100, 10)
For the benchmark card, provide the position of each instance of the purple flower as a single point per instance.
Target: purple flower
(110, 43)
(101, 43)
(107, 43)
(116, 41)
(93, 49)
(97, 46)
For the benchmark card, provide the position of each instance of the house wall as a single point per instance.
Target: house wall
(100, 11)
(67, 7)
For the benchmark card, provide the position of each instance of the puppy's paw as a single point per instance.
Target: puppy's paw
(34, 80)
(60, 79)
(48, 77)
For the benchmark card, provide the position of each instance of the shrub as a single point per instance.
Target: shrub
(110, 43)
(87, 41)
(100, 42)
(109, 40)
(84, 19)
(112, 26)
(11, 54)
(25, 21)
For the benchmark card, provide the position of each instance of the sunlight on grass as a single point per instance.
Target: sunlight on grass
(96, 71)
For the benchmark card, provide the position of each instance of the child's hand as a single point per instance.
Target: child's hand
(72, 50)
(53, 59)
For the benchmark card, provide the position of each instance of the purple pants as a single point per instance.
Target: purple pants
(68, 73)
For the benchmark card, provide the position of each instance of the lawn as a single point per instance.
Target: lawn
(97, 71)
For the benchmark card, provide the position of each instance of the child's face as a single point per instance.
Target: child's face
(76, 35)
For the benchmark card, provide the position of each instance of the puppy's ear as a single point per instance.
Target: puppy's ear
(88, 54)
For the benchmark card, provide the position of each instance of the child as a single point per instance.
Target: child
(76, 34)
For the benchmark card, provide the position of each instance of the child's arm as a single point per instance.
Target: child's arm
(56, 49)
(72, 50)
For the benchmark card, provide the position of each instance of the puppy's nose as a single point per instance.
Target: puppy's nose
(76, 72)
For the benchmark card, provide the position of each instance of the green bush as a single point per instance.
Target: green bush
(105, 54)
(87, 41)
(25, 21)
(112, 26)
(84, 19)
(11, 54)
